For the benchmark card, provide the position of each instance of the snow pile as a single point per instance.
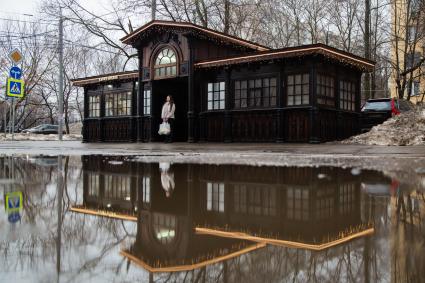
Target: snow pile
(408, 128)
(38, 137)
(75, 128)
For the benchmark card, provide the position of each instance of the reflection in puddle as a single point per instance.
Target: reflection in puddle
(217, 222)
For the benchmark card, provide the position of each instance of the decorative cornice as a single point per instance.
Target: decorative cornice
(129, 39)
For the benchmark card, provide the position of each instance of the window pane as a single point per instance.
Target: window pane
(297, 100)
(222, 87)
(216, 86)
(298, 79)
(290, 100)
(216, 95)
(297, 89)
(290, 90)
(290, 80)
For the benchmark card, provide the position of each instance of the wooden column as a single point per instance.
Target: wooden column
(154, 121)
(228, 106)
(190, 98)
(314, 111)
(102, 115)
(339, 125)
(85, 116)
(140, 100)
(358, 103)
(281, 94)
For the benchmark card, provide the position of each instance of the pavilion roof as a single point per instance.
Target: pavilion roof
(153, 26)
(293, 52)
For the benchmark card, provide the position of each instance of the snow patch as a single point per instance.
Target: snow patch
(408, 128)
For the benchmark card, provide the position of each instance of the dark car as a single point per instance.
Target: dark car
(378, 110)
(44, 129)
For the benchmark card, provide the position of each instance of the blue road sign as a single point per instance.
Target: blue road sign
(14, 217)
(14, 202)
(15, 88)
(15, 72)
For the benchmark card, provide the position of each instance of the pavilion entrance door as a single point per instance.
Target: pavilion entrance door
(178, 89)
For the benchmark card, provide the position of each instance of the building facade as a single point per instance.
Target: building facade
(408, 50)
(225, 89)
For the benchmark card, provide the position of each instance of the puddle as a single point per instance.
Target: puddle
(115, 219)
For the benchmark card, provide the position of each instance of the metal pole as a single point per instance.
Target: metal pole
(59, 228)
(60, 119)
(5, 115)
(13, 118)
(10, 115)
(153, 10)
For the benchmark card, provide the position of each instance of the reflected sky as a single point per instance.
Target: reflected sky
(112, 219)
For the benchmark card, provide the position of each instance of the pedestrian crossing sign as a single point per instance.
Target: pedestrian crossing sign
(14, 202)
(15, 88)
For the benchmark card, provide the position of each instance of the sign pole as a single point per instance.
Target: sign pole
(13, 118)
(10, 115)
(5, 116)
(60, 47)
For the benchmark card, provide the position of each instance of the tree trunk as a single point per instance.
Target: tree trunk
(367, 48)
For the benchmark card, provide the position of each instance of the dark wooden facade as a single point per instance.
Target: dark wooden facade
(273, 205)
(294, 94)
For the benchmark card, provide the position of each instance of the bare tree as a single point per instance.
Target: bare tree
(406, 36)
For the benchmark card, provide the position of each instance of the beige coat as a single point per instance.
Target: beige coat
(168, 113)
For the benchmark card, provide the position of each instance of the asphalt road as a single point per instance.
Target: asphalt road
(79, 148)
(406, 163)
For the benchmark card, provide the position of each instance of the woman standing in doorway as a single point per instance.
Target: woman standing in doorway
(167, 115)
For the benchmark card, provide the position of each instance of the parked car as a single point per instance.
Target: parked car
(378, 110)
(43, 129)
(18, 129)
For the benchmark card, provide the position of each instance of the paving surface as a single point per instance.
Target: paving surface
(78, 148)
(406, 163)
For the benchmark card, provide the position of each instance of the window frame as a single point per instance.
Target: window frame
(414, 88)
(294, 86)
(253, 89)
(116, 96)
(210, 97)
(350, 91)
(92, 104)
(165, 66)
(146, 107)
(329, 101)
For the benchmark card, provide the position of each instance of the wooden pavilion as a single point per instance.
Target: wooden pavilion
(226, 89)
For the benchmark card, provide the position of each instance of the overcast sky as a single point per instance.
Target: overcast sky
(15, 9)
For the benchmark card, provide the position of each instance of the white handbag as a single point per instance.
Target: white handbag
(164, 128)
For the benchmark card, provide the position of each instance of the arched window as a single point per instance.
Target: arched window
(165, 64)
